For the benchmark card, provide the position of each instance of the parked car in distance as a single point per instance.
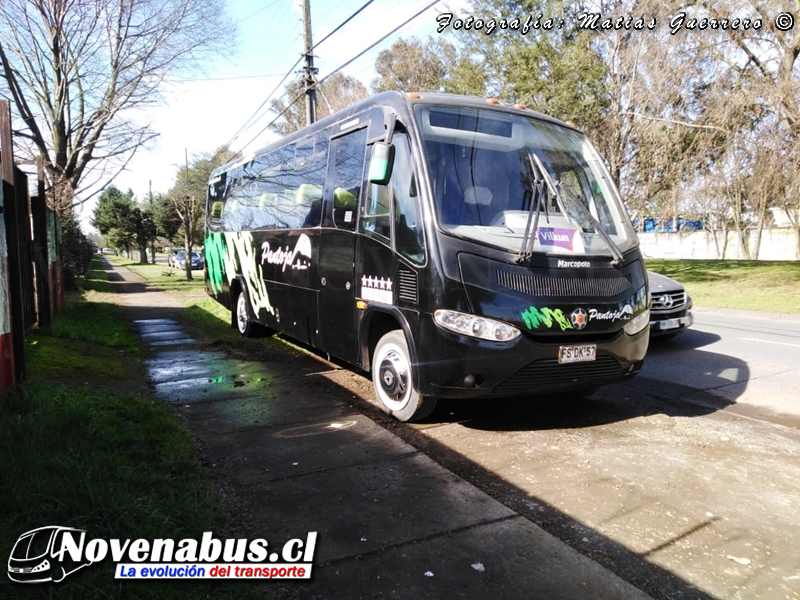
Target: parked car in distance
(197, 260)
(671, 310)
(173, 254)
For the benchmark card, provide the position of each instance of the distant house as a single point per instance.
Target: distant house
(780, 217)
(654, 225)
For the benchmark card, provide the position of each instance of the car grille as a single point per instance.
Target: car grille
(546, 375)
(669, 301)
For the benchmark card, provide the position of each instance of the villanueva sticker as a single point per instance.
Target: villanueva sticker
(556, 236)
(377, 289)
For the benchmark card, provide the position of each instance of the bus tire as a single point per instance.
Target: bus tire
(392, 379)
(241, 317)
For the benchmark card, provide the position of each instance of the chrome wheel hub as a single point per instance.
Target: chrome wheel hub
(394, 375)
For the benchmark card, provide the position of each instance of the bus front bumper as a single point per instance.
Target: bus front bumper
(455, 366)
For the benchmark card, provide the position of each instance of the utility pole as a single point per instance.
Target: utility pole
(309, 70)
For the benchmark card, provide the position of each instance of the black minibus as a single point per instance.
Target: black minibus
(454, 247)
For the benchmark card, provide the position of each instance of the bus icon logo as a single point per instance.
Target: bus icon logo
(38, 557)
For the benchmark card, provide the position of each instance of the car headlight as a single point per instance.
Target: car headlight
(637, 323)
(474, 326)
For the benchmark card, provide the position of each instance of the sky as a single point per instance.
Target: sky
(203, 113)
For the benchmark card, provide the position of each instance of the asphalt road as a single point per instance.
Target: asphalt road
(748, 362)
(682, 480)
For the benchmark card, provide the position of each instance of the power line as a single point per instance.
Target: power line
(232, 78)
(356, 57)
(262, 9)
(392, 32)
(251, 118)
(342, 24)
(278, 116)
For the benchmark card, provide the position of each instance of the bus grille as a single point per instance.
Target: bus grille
(407, 288)
(548, 375)
(552, 285)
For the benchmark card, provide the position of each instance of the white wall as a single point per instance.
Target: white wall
(776, 244)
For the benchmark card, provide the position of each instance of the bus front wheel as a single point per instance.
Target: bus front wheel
(392, 379)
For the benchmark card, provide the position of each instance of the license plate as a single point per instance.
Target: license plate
(573, 354)
(670, 323)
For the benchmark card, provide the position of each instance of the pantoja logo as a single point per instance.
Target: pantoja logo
(626, 312)
(299, 258)
(51, 553)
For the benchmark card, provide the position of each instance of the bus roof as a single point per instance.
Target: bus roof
(401, 102)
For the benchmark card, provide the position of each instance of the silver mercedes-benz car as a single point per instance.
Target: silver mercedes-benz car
(671, 310)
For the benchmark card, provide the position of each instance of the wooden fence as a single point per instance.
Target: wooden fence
(31, 280)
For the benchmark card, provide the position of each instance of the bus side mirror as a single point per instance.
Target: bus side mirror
(381, 162)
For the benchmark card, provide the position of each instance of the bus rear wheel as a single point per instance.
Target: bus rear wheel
(241, 317)
(392, 378)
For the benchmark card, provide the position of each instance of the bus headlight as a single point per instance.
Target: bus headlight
(42, 566)
(474, 326)
(637, 323)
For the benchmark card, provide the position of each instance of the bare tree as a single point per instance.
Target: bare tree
(76, 70)
(414, 66)
(754, 98)
(188, 195)
(334, 93)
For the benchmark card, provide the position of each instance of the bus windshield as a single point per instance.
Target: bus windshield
(521, 184)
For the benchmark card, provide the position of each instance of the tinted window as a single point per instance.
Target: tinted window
(397, 202)
(348, 176)
(277, 190)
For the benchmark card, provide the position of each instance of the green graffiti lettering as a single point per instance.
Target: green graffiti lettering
(240, 249)
(534, 317)
(225, 253)
(215, 255)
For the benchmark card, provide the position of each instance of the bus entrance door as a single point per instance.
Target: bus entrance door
(336, 301)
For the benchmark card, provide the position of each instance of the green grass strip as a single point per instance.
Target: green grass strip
(770, 286)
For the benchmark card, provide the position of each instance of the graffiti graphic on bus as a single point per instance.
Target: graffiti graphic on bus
(534, 317)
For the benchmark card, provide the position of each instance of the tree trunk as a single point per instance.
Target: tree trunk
(797, 243)
(187, 244)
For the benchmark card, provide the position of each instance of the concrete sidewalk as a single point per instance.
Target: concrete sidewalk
(290, 459)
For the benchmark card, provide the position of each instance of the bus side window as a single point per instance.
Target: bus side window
(409, 239)
(309, 194)
(377, 211)
(348, 164)
(397, 201)
(264, 191)
(216, 202)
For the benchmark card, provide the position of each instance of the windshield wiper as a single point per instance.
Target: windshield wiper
(615, 251)
(537, 192)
